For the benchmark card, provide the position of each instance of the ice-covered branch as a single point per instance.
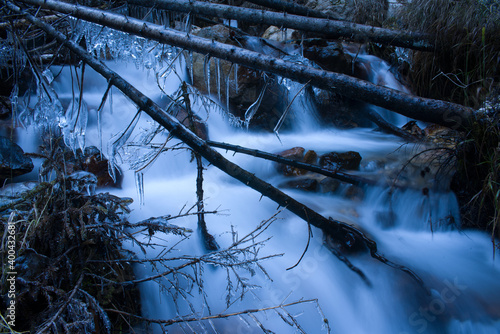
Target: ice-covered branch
(330, 28)
(423, 109)
(345, 234)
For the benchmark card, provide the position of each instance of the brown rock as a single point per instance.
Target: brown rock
(196, 124)
(297, 154)
(413, 129)
(354, 192)
(335, 161)
(311, 157)
(94, 163)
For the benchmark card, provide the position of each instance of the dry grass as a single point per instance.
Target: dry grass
(466, 65)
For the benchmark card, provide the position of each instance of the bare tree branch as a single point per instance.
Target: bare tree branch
(330, 28)
(345, 234)
(428, 110)
(341, 176)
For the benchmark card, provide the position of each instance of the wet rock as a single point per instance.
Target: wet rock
(13, 162)
(245, 86)
(91, 161)
(354, 193)
(311, 157)
(329, 55)
(221, 34)
(334, 161)
(279, 35)
(297, 154)
(412, 128)
(329, 185)
(441, 135)
(195, 124)
(306, 184)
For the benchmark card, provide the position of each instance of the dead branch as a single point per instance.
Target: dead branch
(332, 29)
(341, 176)
(428, 110)
(292, 8)
(217, 316)
(346, 235)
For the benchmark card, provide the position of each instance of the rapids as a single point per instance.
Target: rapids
(458, 267)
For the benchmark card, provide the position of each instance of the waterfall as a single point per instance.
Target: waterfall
(414, 228)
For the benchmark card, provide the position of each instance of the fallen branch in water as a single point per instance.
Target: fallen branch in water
(427, 110)
(341, 176)
(344, 234)
(332, 29)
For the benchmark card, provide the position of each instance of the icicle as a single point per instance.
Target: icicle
(285, 113)
(111, 101)
(236, 87)
(118, 143)
(228, 82)
(74, 124)
(187, 24)
(191, 71)
(218, 77)
(139, 183)
(14, 102)
(255, 106)
(206, 70)
(99, 115)
(49, 77)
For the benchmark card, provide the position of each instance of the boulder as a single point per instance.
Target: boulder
(281, 35)
(297, 154)
(329, 185)
(13, 162)
(412, 128)
(304, 183)
(311, 157)
(334, 161)
(245, 86)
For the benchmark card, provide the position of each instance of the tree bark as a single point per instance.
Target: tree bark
(330, 28)
(345, 234)
(292, 8)
(428, 110)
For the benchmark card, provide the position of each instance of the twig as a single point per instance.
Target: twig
(62, 308)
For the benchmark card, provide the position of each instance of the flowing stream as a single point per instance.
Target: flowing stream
(412, 227)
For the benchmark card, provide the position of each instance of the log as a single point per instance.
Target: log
(343, 233)
(331, 29)
(291, 8)
(427, 110)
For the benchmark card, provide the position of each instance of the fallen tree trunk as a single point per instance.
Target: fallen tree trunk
(346, 235)
(330, 28)
(428, 110)
(292, 8)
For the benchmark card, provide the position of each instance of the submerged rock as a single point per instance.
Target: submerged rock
(335, 161)
(13, 162)
(304, 183)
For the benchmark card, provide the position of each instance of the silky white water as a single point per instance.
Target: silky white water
(457, 267)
